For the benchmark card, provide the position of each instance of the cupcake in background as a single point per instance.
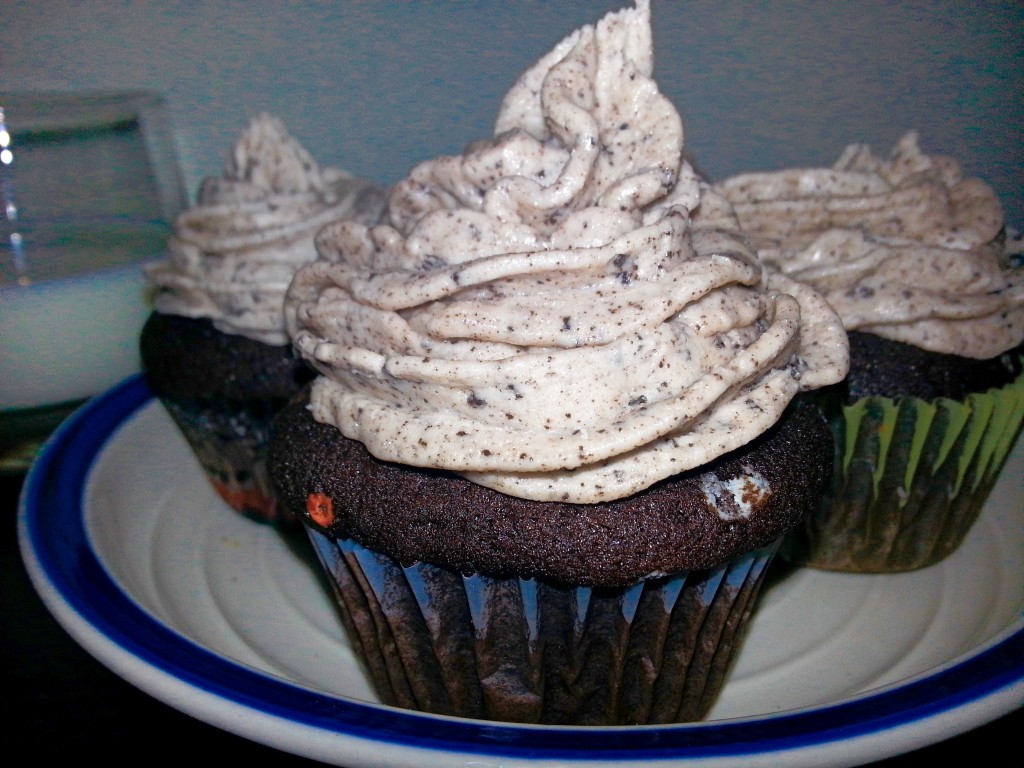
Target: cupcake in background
(215, 349)
(914, 256)
(557, 431)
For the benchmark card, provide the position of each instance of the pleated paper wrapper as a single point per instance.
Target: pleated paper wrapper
(911, 477)
(522, 650)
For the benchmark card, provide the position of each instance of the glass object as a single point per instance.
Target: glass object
(90, 185)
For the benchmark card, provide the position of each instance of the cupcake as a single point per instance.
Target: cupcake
(557, 431)
(215, 349)
(914, 256)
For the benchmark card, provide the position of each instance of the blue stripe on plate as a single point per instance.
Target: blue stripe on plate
(53, 529)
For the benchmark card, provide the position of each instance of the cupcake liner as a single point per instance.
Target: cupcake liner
(910, 479)
(229, 438)
(525, 650)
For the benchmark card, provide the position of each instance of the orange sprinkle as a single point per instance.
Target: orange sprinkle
(320, 508)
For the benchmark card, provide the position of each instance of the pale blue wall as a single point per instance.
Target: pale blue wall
(378, 86)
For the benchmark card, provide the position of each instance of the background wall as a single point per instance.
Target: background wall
(378, 86)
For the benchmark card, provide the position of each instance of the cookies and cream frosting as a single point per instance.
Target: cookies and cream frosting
(906, 247)
(540, 315)
(232, 255)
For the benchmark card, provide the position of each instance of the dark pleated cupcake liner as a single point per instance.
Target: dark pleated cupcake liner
(527, 651)
(229, 438)
(911, 478)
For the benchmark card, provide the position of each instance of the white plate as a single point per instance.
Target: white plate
(229, 621)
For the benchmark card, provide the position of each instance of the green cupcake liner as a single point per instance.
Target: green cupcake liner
(910, 478)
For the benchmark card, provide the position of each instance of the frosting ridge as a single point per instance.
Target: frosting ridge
(232, 255)
(541, 315)
(906, 247)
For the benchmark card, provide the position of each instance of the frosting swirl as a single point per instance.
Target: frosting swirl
(906, 247)
(233, 254)
(540, 315)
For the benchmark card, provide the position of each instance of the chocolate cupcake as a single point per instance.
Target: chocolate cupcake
(215, 349)
(553, 443)
(466, 601)
(915, 258)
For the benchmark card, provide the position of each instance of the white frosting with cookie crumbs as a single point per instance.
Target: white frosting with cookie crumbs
(540, 315)
(906, 247)
(233, 254)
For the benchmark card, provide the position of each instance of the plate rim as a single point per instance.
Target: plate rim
(966, 692)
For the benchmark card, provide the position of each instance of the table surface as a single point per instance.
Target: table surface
(59, 703)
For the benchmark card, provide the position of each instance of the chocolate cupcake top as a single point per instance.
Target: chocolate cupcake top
(906, 247)
(691, 521)
(540, 315)
(233, 254)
